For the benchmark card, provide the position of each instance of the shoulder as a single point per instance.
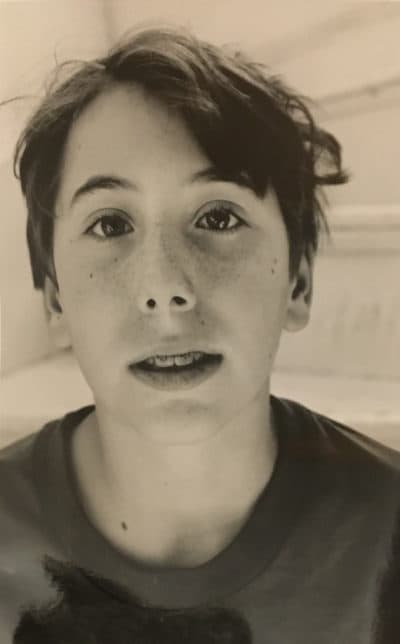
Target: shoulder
(360, 471)
(335, 440)
(16, 469)
(22, 462)
(28, 468)
(20, 511)
(26, 465)
(22, 535)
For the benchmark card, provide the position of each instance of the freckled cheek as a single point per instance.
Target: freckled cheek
(212, 276)
(262, 271)
(245, 275)
(259, 298)
(84, 285)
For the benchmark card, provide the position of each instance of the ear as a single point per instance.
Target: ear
(55, 315)
(300, 297)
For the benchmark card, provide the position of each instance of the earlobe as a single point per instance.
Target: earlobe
(51, 297)
(300, 297)
(55, 316)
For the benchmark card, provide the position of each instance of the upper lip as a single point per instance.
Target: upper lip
(172, 350)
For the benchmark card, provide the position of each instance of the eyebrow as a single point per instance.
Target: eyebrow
(239, 177)
(112, 182)
(101, 182)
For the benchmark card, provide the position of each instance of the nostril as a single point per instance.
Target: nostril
(150, 304)
(179, 300)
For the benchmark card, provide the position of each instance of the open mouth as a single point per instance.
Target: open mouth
(178, 362)
(171, 371)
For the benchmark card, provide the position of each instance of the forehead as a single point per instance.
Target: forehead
(126, 128)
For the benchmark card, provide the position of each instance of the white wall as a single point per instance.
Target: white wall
(354, 329)
(370, 131)
(32, 35)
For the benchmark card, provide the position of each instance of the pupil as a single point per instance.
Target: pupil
(112, 226)
(219, 220)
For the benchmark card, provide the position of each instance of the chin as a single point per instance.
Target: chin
(181, 424)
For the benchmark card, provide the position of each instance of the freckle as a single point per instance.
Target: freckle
(91, 275)
(124, 526)
(272, 271)
(275, 260)
(115, 259)
(202, 322)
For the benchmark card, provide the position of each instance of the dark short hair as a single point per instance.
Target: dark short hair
(93, 609)
(248, 123)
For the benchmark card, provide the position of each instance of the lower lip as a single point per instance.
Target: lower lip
(181, 378)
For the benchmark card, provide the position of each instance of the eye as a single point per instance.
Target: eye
(220, 218)
(110, 225)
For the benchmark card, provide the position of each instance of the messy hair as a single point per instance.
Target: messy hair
(93, 610)
(248, 123)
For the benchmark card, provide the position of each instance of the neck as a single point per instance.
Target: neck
(174, 503)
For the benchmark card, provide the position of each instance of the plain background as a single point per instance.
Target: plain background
(346, 57)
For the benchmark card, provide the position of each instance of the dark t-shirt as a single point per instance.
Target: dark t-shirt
(308, 567)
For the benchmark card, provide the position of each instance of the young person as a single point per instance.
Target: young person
(174, 212)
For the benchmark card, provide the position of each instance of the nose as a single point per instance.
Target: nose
(164, 285)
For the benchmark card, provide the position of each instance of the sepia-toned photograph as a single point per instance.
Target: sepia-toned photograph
(200, 336)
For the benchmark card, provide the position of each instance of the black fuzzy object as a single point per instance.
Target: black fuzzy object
(93, 610)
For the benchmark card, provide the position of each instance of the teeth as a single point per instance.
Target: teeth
(186, 358)
(179, 360)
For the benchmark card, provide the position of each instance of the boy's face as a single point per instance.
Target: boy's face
(155, 256)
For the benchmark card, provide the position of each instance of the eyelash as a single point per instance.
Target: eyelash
(223, 210)
(226, 211)
(110, 218)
